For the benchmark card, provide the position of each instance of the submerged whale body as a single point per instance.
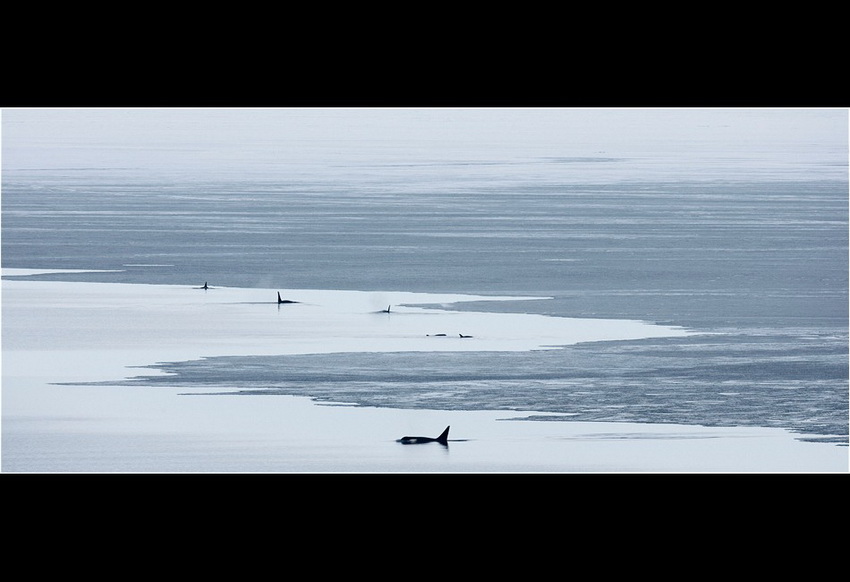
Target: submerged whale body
(443, 439)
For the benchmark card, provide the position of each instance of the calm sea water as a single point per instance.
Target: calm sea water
(746, 241)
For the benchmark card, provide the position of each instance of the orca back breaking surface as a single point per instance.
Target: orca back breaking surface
(443, 439)
(279, 300)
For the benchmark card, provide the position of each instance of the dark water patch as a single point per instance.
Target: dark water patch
(696, 254)
(706, 380)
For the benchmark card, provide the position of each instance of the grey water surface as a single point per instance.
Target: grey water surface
(737, 235)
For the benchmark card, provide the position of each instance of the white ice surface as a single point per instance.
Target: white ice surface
(64, 332)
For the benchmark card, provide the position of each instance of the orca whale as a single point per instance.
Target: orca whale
(461, 335)
(204, 287)
(443, 439)
(279, 300)
(387, 310)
